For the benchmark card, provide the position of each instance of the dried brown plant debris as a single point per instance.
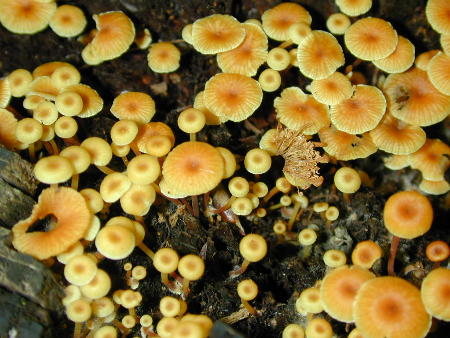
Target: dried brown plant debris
(301, 159)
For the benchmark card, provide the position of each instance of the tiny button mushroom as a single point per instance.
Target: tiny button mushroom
(78, 311)
(366, 253)
(124, 132)
(169, 306)
(253, 248)
(166, 261)
(191, 268)
(115, 242)
(293, 331)
(309, 301)
(437, 251)
(80, 270)
(257, 161)
(53, 169)
(334, 258)
(319, 328)
(191, 121)
(347, 180)
(98, 287)
(307, 237)
(247, 290)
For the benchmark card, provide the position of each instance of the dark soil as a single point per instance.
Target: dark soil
(284, 272)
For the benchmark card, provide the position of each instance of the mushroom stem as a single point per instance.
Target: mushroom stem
(186, 286)
(54, 146)
(226, 206)
(187, 205)
(249, 308)
(72, 140)
(31, 152)
(192, 137)
(146, 250)
(75, 180)
(269, 195)
(295, 211)
(241, 270)
(132, 312)
(77, 330)
(285, 44)
(392, 253)
(125, 160)
(105, 169)
(195, 209)
(135, 148)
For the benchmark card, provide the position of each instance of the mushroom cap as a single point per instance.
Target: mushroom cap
(347, 180)
(5, 92)
(211, 119)
(434, 187)
(92, 102)
(246, 58)
(99, 149)
(424, 58)
(232, 96)
(437, 251)
(400, 60)
(319, 328)
(78, 156)
(115, 34)
(47, 69)
(432, 160)
(8, 124)
(396, 162)
(413, 98)
(191, 267)
(114, 186)
(354, 7)
(163, 57)
(319, 55)
(72, 220)
(98, 287)
(339, 288)
(299, 111)
(366, 253)
(138, 199)
(26, 16)
(43, 86)
(257, 161)
(333, 89)
(115, 242)
(397, 137)
(217, 33)
(253, 247)
(193, 168)
(247, 289)
(149, 130)
(69, 103)
(53, 169)
(360, 113)
(408, 214)
(309, 301)
(435, 292)
(390, 307)
(438, 15)
(445, 43)
(277, 20)
(438, 71)
(337, 23)
(166, 260)
(143, 169)
(134, 106)
(19, 82)
(371, 39)
(65, 76)
(65, 127)
(68, 21)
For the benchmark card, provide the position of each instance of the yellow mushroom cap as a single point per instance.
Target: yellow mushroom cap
(278, 59)
(435, 291)
(114, 186)
(80, 270)
(366, 253)
(307, 237)
(390, 307)
(396, 162)
(138, 199)
(53, 169)
(143, 39)
(333, 89)
(229, 162)
(163, 57)
(193, 168)
(106, 331)
(347, 180)
(277, 20)
(93, 200)
(166, 326)
(445, 43)
(115, 34)
(432, 159)
(66, 127)
(123, 132)
(99, 149)
(318, 328)
(337, 23)
(400, 60)
(408, 214)
(26, 16)
(65, 76)
(309, 301)
(246, 58)
(69, 103)
(19, 82)
(257, 161)
(424, 58)
(334, 258)
(371, 39)
(247, 289)
(360, 113)
(238, 186)
(397, 137)
(293, 331)
(434, 187)
(242, 206)
(134, 106)
(191, 120)
(186, 33)
(437, 251)
(339, 288)
(211, 119)
(79, 311)
(298, 32)
(253, 247)
(46, 113)
(299, 111)
(319, 55)
(191, 267)
(232, 96)
(43, 86)
(437, 12)
(5, 92)
(438, 71)
(169, 306)
(115, 242)
(72, 220)
(354, 7)
(166, 260)
(92, 102)
(28, 130)
(78, 156)
(217, 33)
(413, 98)
(269, 80)
(68, 21)
(143, 169)
(8, 127)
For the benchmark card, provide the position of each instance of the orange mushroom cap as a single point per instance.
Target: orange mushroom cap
(435, 292)
(432, 159)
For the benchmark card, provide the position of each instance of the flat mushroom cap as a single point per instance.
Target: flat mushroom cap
(248, 56)
(8, 125)
(92, 102)
(339, 288)
(163, 57)
(151, 129)
(432, 160)
(68, 21)
(333, 89)
(435, 292)
(360, 113)
(232, 96)
(390, 307)
(115, 34)
(72, 221)
(276, 21)
(434, 187)
(413, 98)
(299, 111)
(193, 168)
(408, 214)
(47, 69)
(217, 33)
(438, 71)
(371, 39)
(397, 137)
(438, 15)
(319, 55)
(337, 23)
(396, 162)
(135, 106)
(354, 7)
(5, 92)
(26, 16)
(400, 60)
(53, 169)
